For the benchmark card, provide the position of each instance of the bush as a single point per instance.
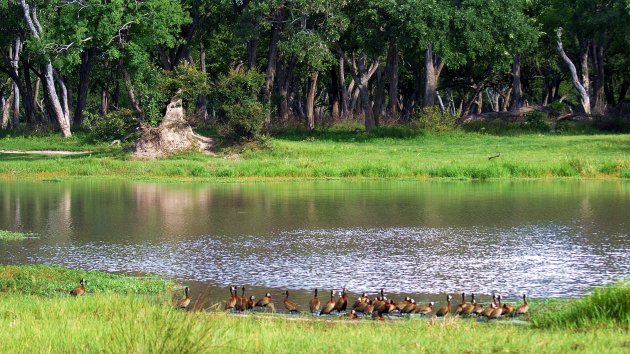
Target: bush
(112, 126)
(432, 119)
(235, 99)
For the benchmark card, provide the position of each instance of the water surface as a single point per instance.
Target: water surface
(546, 238)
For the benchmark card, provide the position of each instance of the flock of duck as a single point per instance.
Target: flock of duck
(376, 307)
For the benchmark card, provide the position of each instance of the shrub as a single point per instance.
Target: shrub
(431, 118)
(234, 98)
(112, 126)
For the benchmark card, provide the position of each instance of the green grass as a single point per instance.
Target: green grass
(345, 153)
(11, 236)
(608, 306)
(110, 318)
(58, 281)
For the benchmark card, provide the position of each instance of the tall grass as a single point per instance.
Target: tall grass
(605, 306)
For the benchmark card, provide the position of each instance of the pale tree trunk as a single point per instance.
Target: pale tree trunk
(392, 69)
(310, 100)
(586, 81)
(379, 97)
(433, 66)
(6, 110)
(65, 97)
(15, 57)
(30, 15)
(202, 104)
(345, 96)
(597, 56)
(517, 89)
(584, 97)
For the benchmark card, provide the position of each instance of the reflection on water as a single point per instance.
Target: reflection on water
(544, 238)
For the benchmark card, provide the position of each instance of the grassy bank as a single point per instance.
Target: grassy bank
(343, 153)
(110, 319)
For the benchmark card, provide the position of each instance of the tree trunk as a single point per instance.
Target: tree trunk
(584, 48)
(65, 104)
(84, 82)
(30, 98)
(392, 68)
(310, 101)
(16, 50)
(379, 97)
(6, 111)
(32, 22)
(584, 97)
(334, 94)
(131, 92)
(343, 90)
(202, 104)
(517, 93)
(284, 78)
(597, 56)
(272, 64)
(433, 66)
(104, 101)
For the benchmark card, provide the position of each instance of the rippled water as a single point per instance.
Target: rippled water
(425, 238)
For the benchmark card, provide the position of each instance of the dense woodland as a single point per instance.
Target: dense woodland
(85, 64)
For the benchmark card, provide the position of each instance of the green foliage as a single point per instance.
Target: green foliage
(234, 97)
(112, 126)
(185, 81)
(433, 119)
(605, 306)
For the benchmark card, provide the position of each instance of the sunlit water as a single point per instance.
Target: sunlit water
(549, 239)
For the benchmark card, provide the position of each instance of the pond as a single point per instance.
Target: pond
(419, 238)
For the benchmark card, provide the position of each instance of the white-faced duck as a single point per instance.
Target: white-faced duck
(185, 301)
(445, 310)
(265, 301)
(524, 307)
(79, 290)
(342, 302)
(330, 305)
(425, 309)
(315, 303)
(230, 304)
(291, 306)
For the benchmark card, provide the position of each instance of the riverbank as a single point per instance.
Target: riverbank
(338, 154)
(131, 314)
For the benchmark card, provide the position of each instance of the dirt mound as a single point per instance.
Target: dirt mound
(173, 135)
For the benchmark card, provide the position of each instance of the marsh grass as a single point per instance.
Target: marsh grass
(607, 306)
(52, 281)
(11, 235)
(38, 318)
(345, 152)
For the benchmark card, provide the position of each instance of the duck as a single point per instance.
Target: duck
(330, 305)
(353, 315)
(265, 301)
(445, 310)
(369, 308)
(360, 301)
(231, 302)
(250, 303)
(79, 290)
(425, 309)
(377, 316)
(487, 312)
(478, 307)
(363, 307)
(460, 306)
(379, 301)
(467, 309)
(315, 303)
(242, 303)
(401, 305)
(185, 301)
(342, 302)
(498, 310)
(389, 307)
(288, 304)
(410, 307)
(521, 310)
